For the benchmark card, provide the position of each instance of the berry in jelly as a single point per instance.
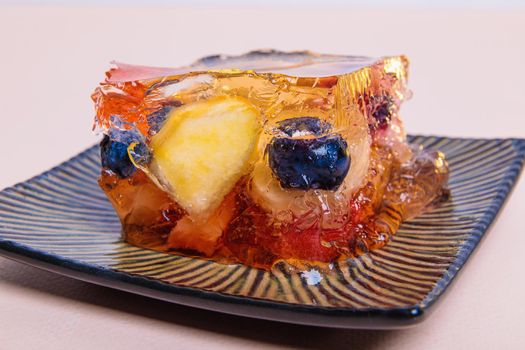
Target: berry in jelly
(114, 156)
(382, 112)
(308, 163)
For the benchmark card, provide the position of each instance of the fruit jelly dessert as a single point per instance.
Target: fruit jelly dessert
(263, 157)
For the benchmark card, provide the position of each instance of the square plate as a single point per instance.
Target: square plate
(62, 222)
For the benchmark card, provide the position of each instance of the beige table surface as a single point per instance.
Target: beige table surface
(468, 78)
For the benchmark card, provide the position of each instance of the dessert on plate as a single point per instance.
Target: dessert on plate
(263, 157)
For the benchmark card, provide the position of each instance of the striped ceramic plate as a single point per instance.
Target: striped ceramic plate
(62, 222)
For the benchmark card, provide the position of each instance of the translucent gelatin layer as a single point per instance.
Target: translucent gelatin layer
(263, 157)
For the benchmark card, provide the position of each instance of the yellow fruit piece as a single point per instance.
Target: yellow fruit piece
(203, 150)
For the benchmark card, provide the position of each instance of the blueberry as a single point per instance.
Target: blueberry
(303, 125)
(311, 163)
(114, 156)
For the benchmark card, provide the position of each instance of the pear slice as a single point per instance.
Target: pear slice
(203, 149)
